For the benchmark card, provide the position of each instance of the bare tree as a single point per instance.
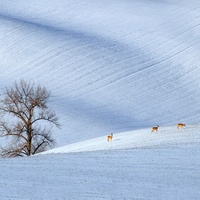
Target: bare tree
(26, 121)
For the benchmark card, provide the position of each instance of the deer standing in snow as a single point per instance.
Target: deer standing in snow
(155, 128)
(180, 126)
(110, 137)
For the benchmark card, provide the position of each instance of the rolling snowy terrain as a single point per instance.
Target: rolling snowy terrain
(134, 166)
(165, 137)
(112, 67)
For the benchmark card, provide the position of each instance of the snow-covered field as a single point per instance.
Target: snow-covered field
(134, 166)
(165, 137)
(117, 66)
(110, 67)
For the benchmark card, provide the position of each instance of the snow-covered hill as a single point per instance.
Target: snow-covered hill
(135, 165)
(138, 139)
(111, 66)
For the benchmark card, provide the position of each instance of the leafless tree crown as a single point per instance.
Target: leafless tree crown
(25, 117)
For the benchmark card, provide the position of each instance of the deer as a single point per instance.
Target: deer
(180, 126)
(155, 128)
(110, 137)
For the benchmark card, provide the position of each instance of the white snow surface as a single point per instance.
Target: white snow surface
(134, 166)
(164, 137)
(112, 67)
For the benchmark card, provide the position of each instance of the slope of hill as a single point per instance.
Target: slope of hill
(111, 66)
(135, 165)
(166, 137)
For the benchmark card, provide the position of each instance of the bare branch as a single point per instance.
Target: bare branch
(26, 104)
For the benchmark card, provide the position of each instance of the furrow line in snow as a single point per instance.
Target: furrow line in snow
(112, 76)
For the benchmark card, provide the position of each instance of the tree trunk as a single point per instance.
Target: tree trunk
(29, 144)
